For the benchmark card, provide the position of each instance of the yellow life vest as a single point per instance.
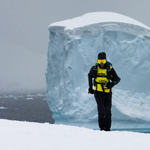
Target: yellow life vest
(101, 79)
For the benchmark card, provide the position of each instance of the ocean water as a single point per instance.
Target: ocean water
(131, 125)
(31, 107)
(117, 125)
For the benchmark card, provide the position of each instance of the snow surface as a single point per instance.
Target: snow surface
(16, 135)
(73, 50)
(99, 21)
(97, 17)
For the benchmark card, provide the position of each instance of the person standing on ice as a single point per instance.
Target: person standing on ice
(105, 77)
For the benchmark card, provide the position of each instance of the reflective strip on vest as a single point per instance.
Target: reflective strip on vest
(100, 79)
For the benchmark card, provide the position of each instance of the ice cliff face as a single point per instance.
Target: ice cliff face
(73, 48)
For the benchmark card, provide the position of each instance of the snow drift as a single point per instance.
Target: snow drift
(73, 48)
(19, 135)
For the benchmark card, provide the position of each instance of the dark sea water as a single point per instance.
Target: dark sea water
(25, 107)
(141, 130)
(140, 126)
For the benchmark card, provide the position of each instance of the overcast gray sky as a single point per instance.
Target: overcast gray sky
(24, 30)
(25, 22)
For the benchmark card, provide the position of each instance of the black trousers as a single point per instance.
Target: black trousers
(104, 102)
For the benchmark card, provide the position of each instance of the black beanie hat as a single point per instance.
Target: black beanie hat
(102, 55)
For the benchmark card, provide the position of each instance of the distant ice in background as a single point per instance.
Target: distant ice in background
(73, 48)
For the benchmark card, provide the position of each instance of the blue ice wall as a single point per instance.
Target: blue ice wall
(69, 61)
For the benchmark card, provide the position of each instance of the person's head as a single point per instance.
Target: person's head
(102, 59)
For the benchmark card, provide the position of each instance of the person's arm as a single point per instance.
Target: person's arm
(90, 77)
(90, 81)
(115, 79)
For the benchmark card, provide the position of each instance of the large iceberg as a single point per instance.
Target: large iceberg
(73, 48)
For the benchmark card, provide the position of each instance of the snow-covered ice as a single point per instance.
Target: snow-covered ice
(16, 135)
(3, 108)
(73, 48)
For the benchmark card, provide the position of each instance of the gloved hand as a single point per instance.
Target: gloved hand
(110, 85)
(91, 91)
